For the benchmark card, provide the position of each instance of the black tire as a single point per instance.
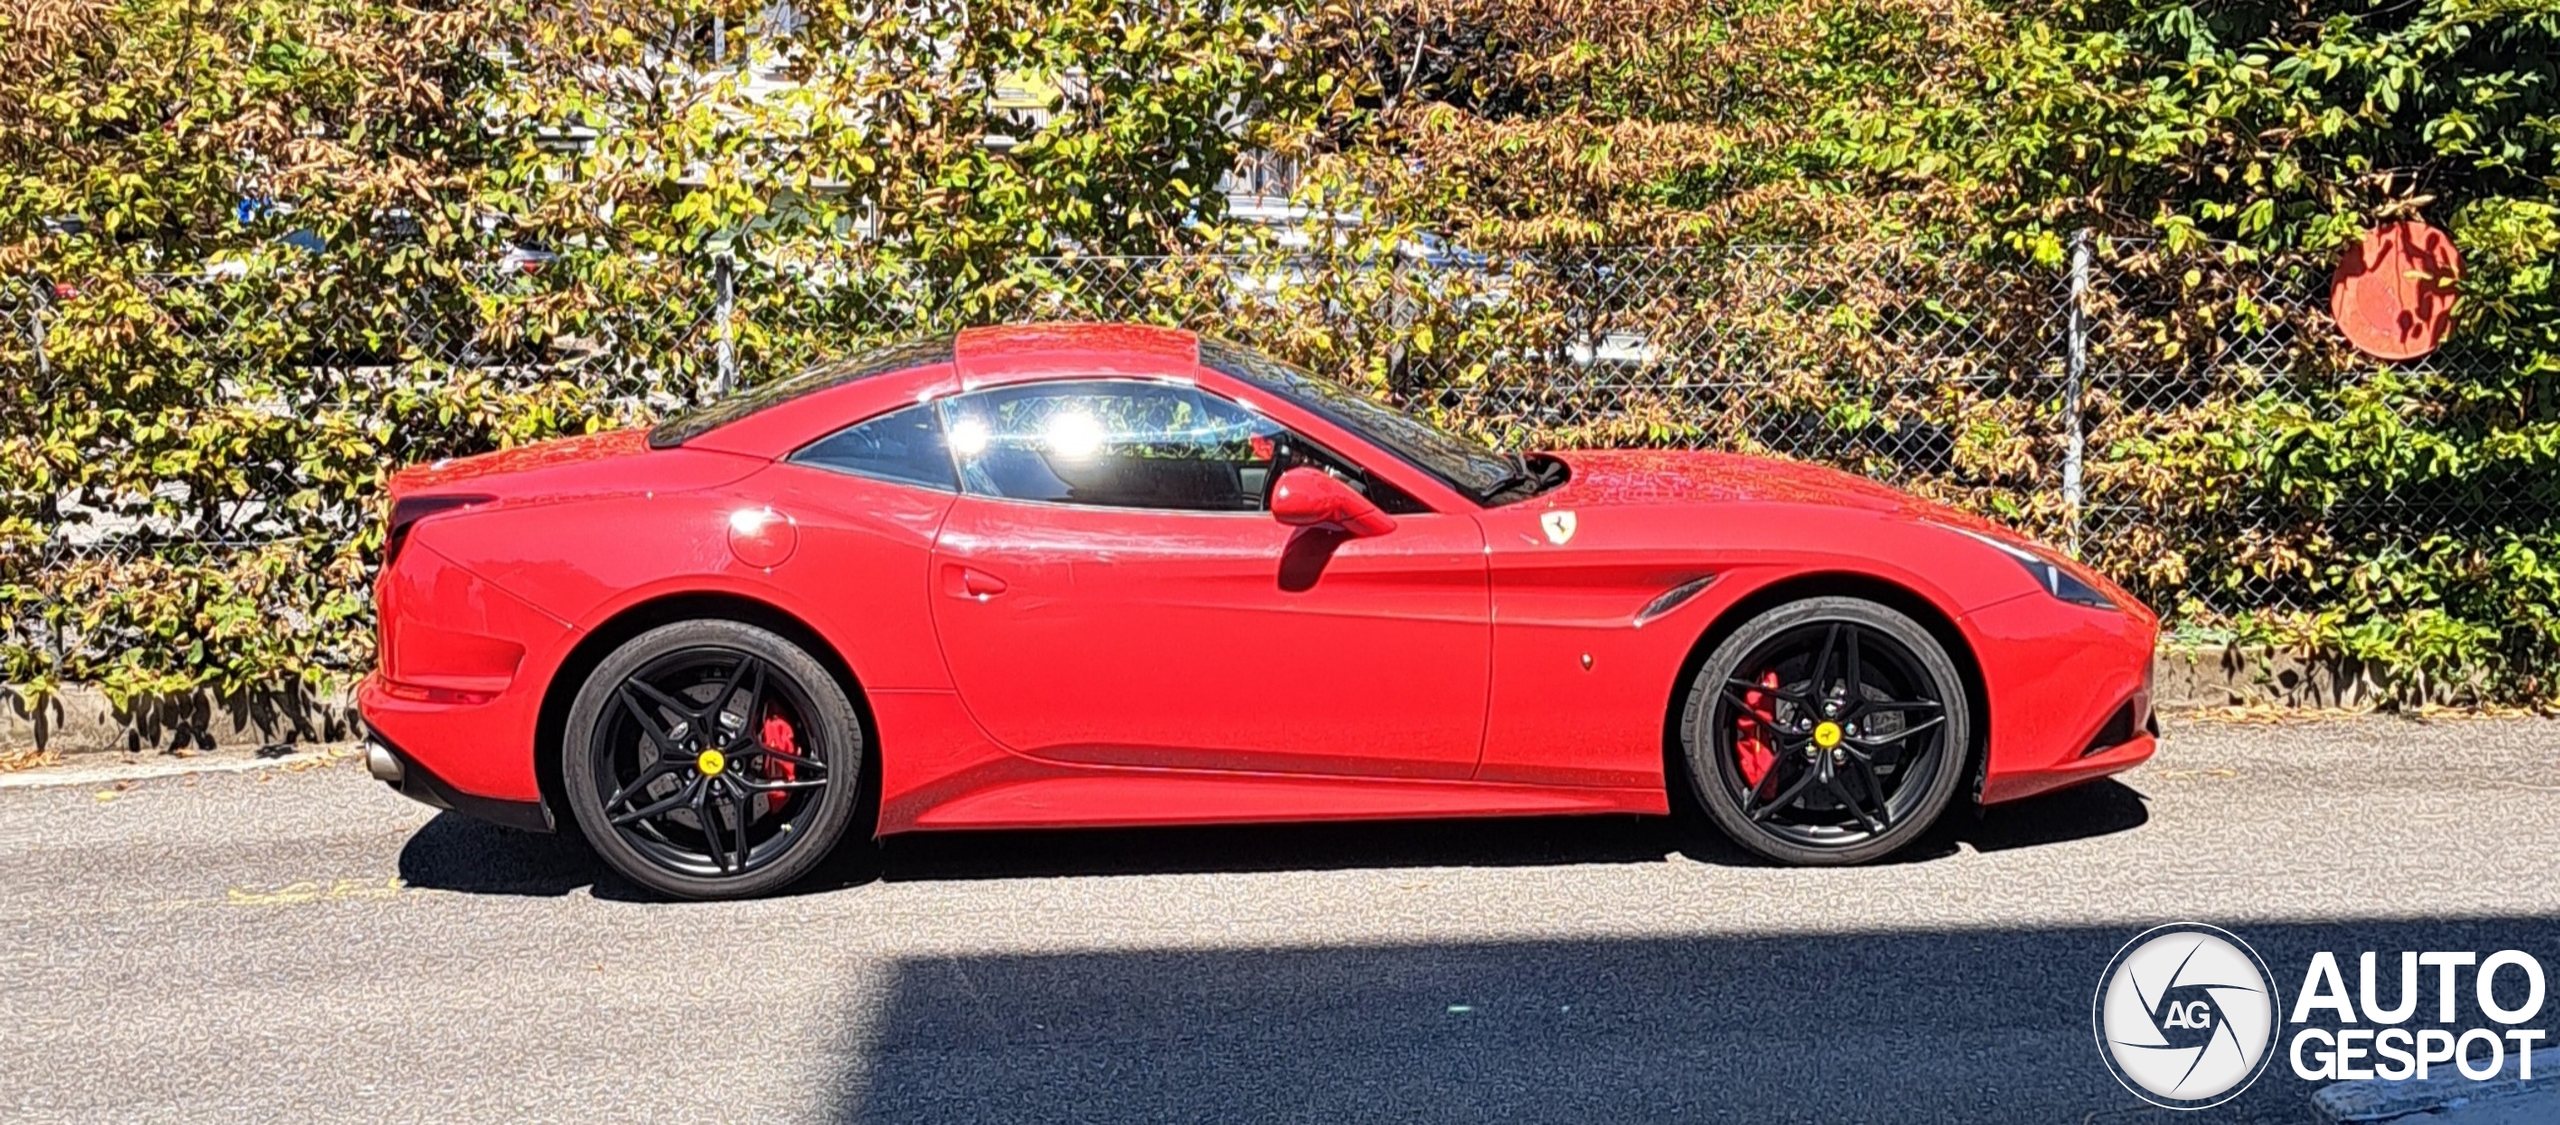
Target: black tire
(749, 817)
(1827, 794)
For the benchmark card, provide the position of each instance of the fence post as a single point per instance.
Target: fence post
(49, 506)
(724, 347)
(2074, 376)
(37, 294)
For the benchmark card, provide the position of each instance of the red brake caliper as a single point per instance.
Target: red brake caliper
(1756, 755)
(778, 736)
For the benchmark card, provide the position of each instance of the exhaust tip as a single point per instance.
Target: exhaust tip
(384, 765)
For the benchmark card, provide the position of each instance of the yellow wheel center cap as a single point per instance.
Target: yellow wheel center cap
(711, 763)
(1826, 735)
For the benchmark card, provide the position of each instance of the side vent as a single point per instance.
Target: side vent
(2117, 731)
(1673, 598)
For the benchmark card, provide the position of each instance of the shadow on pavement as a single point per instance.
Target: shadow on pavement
(1957, 1026)
(2098, 809)
(458, 854)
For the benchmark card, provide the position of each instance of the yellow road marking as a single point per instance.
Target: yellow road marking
(316, 890)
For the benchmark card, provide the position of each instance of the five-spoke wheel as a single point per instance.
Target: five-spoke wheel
(712, 759)
(1827, 731)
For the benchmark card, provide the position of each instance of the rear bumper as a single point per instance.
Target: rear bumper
(403, 773)
(458, 691)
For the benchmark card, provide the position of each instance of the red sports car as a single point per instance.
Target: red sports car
(1115, 575)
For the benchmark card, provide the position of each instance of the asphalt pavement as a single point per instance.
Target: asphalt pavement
(302, 944)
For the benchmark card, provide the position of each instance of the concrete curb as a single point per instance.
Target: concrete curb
(2505, 1097)
(81, 720)
(2237, 675)
(78, 719)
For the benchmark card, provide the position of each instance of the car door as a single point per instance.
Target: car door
(1109, 590)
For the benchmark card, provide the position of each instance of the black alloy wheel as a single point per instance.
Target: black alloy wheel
(712, 759)
(1827, 731)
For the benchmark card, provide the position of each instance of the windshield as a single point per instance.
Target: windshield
(712, 415)
(1468, 466)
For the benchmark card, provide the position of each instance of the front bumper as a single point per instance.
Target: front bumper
(2070, 694)
(395, 768)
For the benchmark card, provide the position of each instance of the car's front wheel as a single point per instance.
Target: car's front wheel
(712, 759)
(1832, 730)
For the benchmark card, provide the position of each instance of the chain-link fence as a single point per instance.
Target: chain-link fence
(2238, 457)
(228, 430)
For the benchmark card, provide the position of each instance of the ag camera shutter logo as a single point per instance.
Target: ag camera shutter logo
(2186, 1016)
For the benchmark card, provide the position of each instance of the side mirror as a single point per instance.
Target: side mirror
(1313, 498)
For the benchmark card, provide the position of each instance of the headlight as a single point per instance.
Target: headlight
(2048, 574)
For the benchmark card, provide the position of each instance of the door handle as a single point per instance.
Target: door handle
(971, 582)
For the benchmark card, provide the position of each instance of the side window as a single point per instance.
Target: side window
(1112, 443)
(902, 445)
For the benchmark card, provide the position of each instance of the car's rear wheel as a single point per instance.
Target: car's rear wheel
(712, 759)
(1832, 730)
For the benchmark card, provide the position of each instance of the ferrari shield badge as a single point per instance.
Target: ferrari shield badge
(1558, 526)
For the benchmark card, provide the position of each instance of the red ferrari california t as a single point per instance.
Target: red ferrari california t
(1072, 575)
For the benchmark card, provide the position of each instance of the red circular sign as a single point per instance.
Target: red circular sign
(2393, 293)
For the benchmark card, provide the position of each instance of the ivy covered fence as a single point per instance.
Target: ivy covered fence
(253, 256)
